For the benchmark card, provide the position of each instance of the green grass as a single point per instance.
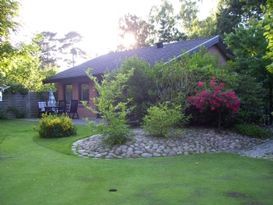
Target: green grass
(37, 171)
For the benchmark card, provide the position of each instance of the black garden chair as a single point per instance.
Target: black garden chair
(73, 111)
(61, 107)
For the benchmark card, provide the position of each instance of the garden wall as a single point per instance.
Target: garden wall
(25, 104)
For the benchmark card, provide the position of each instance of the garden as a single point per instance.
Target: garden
(192, 105)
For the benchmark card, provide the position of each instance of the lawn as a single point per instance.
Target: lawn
(35, 171)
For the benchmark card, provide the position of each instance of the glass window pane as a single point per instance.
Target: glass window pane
(68, 93)
(84, 92)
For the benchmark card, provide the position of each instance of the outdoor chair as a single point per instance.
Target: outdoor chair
(73, 109)
(61, 107)
(41, 108)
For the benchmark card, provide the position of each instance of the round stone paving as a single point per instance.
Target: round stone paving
(141, 145)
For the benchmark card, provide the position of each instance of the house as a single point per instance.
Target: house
(74, 84)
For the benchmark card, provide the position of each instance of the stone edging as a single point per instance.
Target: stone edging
(192, 141)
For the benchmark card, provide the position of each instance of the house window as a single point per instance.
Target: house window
(84, 92)
(68, 93)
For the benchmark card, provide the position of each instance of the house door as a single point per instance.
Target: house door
(68, 93)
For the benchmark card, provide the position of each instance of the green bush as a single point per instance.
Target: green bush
(111, 107)
(115, 130)
(52, 126)
(161, 119)
(252, 130)
(2, 115)
(252, 97)
(18, 113)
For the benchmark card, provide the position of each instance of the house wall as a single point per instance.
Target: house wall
(82, 111)
(216, 51)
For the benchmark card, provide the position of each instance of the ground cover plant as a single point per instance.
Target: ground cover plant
(252, 130)
(37, 171)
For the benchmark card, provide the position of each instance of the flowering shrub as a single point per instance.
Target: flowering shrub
(214, 99)
(51, 126)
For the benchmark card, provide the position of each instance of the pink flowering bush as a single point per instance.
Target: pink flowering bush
(214, 99)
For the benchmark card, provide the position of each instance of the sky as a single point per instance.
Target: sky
(95, 20)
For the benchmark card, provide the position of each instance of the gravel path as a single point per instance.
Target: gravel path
(264, 150)
(191, 141)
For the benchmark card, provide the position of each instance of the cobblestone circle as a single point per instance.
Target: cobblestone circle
(191, 141)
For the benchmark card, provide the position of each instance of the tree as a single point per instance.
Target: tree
(59, 51)
(164, 23)
(21, 66)
(192, 25)
(233, 13)
(268, 27)
(132, 24)
(188, 14)
(249, 47)
(203, 28)
(8, 10)
(48, 45)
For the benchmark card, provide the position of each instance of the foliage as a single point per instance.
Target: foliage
(214, 99)
(8, 10)
(188, 13)
(164, 23)
(233, 13)
(57, 50)
(252, 130)
(115, 131)
(268, 27)
(3, 114)
(161, 118)
(203, 28)
(249, 47)
(171, 82)
(139, 88)
(51, 126)
(252, 95)
(17, 113)
(193, 26)
(20, 67)
(177, 79)
(110, 106)
(132, 24)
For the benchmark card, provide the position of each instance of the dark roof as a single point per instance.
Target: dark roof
(113, 60)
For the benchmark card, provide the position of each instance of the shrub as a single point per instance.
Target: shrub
(252, 130)
(215, 100)
(161, 119)
(51, 126)
(111, 108)
(139, 88)
(18, 113)
(115, 130)
(2, 115)
(252, 97)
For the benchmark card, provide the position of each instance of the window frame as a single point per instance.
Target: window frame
(80, 92)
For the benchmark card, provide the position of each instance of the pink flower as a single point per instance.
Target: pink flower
(200, 84)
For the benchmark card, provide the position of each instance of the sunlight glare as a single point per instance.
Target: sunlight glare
(129, 40)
